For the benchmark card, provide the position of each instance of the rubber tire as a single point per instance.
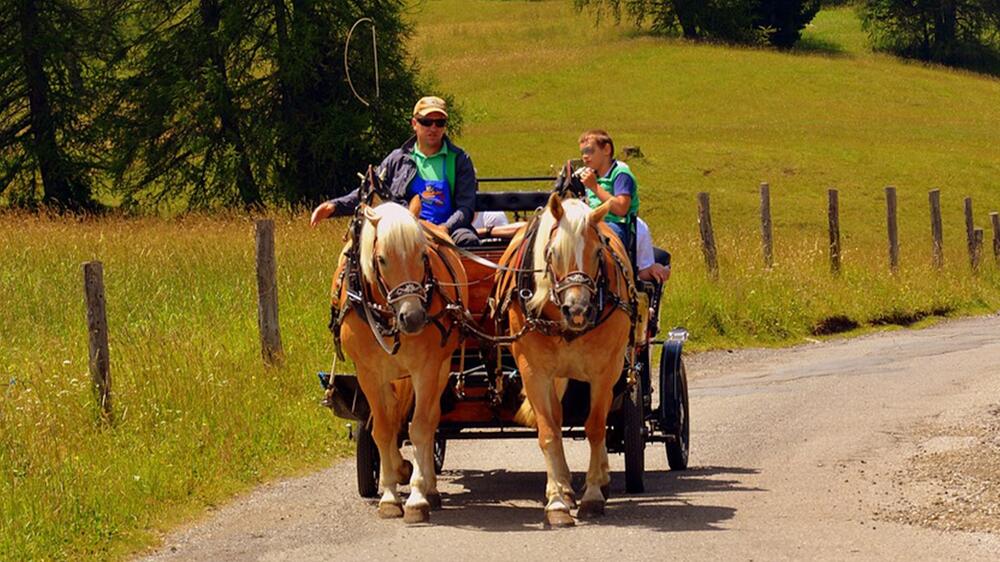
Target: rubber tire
(368, 463)
(440, 448)
(679, 450)
(633, 421)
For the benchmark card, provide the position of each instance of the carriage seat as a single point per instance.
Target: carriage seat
(514, 201)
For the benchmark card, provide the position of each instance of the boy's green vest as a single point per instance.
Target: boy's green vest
(608, 183)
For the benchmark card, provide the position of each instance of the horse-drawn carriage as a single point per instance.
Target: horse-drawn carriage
(484, 397)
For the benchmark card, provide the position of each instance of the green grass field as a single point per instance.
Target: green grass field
(198, 417)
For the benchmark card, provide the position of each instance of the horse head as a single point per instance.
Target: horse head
(568, 259)
(394, 259)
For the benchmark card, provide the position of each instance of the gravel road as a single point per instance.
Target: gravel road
(816, 452)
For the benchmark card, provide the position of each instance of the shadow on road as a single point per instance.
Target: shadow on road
(500, 500)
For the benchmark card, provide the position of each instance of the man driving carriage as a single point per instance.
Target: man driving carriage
(428, 164)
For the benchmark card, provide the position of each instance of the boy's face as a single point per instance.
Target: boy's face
(594, 155)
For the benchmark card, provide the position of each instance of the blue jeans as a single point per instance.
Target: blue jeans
(622, 230)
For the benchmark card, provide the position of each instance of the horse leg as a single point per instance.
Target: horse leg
(385, 431)
(598, 472)
(428, 385)
(548, 412)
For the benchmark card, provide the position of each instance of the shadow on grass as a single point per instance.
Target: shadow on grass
(501, 501)
(817, 46)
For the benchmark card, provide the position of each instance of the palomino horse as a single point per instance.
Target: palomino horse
(576, 322)
(405, 284)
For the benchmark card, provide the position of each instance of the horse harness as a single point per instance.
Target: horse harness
(603, 301)
(381, 318)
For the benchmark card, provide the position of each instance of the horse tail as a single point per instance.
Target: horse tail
(526, 414)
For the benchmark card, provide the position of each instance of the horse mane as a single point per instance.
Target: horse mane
(397, 228)
(566, 248)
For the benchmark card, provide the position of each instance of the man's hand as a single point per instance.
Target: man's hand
(656, 272)
(323, 211)
(589, 178)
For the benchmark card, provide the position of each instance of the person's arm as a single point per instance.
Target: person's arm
(500, 230)
(465, 194)
(346, 204)
(656, 273)
(621, 199)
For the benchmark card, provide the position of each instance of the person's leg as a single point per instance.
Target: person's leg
(465, 237)
(623, 234)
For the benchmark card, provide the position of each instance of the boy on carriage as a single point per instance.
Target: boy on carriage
(607, 178)
(429, 165)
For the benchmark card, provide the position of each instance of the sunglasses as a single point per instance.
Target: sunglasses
(440, 123)
(587, 151)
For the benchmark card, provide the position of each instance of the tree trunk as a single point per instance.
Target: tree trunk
(61, 187)
(687, 17)
(249, 192)
(945, 26)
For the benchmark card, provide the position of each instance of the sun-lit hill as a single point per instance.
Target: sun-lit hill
(532, 75)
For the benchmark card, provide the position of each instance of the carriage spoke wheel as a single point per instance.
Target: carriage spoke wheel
(367, 462)
(679, 449)
(633, 420)
(440, 447)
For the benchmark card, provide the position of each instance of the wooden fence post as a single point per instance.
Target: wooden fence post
(766, 230)
(97, 329)
(970, 231)
(977, 248)
(995, 219)
(707, 235)
(937, 232)
(833, 214)
(892, 226)
(267, 294)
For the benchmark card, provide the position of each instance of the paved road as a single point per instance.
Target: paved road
(792, 454)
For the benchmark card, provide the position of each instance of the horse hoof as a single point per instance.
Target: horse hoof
(569, 499)
(606, 491)
(405, 471)
(590, 509)
(558, 519)
(389, 511)
(417, 514)
(435, 501)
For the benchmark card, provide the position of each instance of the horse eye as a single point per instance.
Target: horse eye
(381, 260)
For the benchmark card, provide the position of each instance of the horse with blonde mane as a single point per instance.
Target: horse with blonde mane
(403, 290)
(575, 322)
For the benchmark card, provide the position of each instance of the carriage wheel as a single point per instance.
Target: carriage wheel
(440, 447)
(679, 449)
(633, 421)
(367, 462)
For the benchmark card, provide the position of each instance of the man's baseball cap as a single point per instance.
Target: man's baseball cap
(430, 104)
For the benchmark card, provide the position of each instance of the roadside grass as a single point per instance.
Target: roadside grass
(198, 417)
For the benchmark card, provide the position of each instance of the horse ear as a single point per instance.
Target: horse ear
(597, 215)
(371, 215)
(415, 206)
(555, 206)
